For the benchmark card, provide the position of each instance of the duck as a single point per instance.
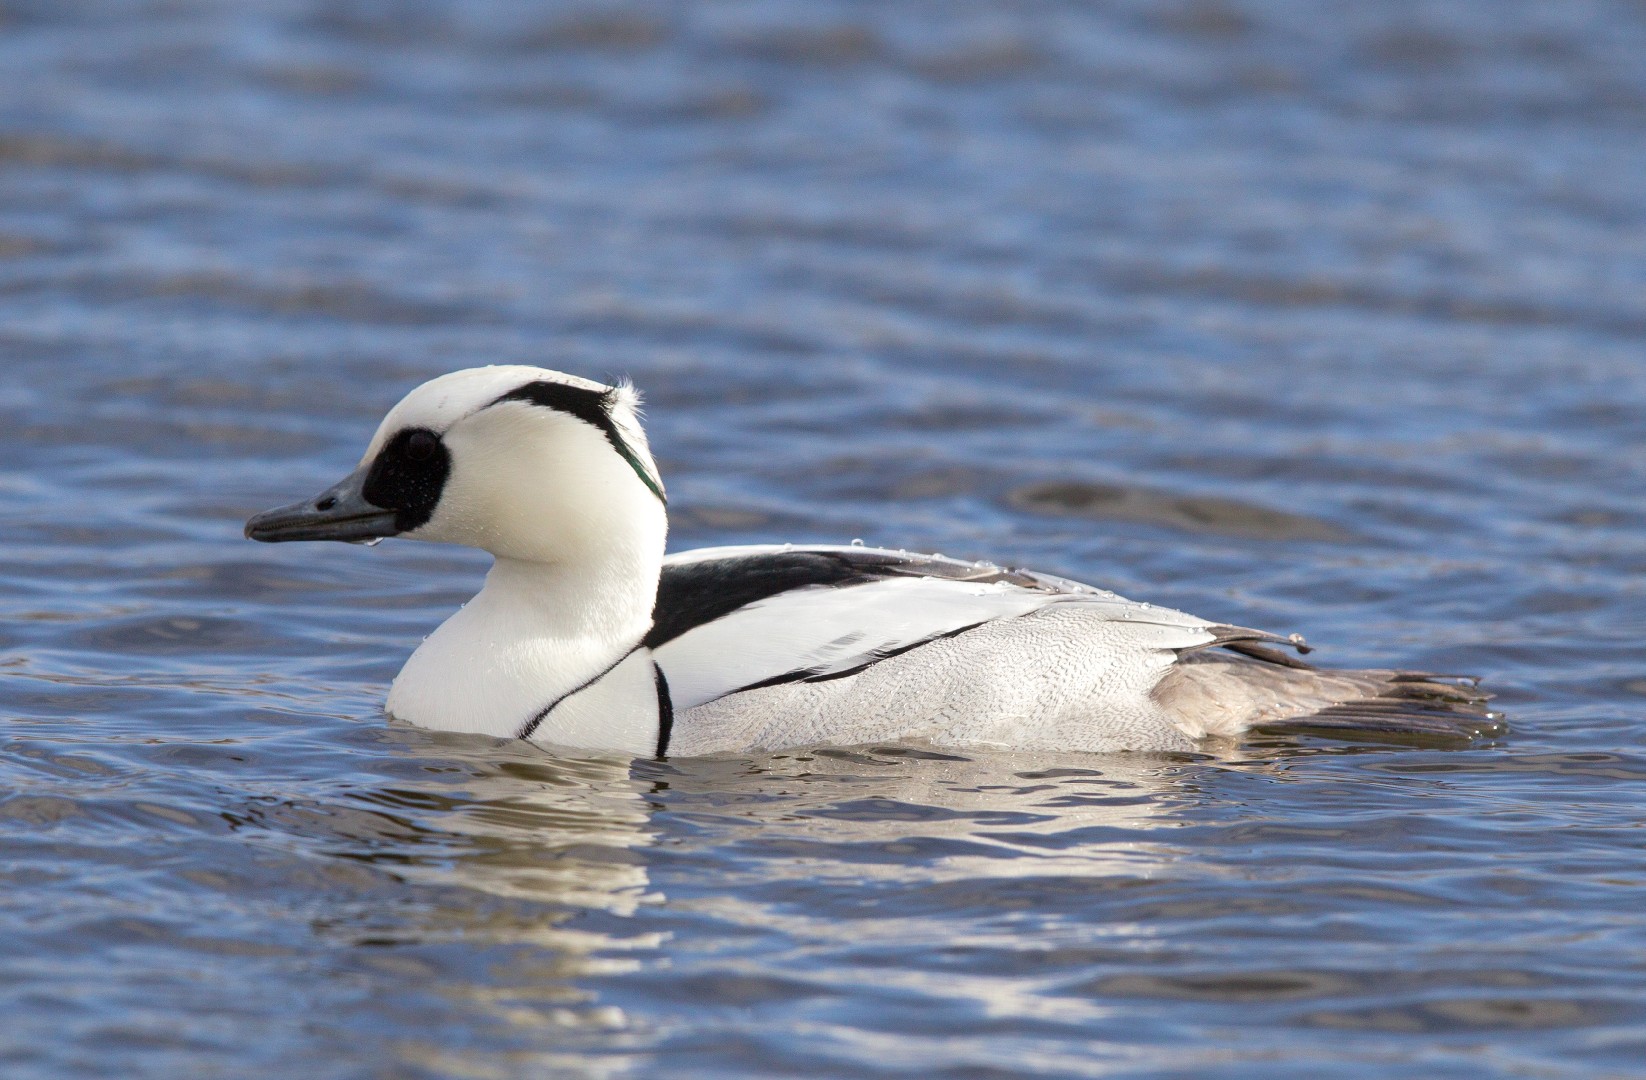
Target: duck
(586, 635)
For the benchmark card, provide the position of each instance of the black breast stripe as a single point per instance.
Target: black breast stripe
(665, 711)
(531, 725)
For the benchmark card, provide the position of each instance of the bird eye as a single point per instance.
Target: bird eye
(420, 447)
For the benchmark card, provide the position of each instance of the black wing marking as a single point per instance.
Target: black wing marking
(699, 591)
(691, 594)
(819, 674)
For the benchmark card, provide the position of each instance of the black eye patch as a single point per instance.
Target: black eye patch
(408, 476)
(421, 445)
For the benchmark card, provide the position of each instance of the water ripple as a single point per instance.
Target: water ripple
(1323, 320)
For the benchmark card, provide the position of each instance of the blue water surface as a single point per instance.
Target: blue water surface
(1316, 316)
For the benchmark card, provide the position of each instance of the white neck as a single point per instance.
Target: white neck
(535, 632)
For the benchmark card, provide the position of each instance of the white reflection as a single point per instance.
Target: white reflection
(1004, 814)
(559, 830)
(531, 839)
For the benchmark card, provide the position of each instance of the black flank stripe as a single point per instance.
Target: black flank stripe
(665, 711)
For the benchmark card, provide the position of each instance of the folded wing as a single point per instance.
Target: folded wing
(731, 619)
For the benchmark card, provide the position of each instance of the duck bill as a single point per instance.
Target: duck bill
(340, 512)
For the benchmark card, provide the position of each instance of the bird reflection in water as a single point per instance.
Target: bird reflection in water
(556, 872)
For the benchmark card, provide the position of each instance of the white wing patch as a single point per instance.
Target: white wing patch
(831, 630)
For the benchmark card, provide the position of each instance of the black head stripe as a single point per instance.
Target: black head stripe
(591, 407)
(408, 476)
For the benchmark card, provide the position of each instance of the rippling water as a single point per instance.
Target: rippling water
(1322, 316)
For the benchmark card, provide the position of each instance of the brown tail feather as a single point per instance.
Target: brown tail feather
(1220, 694)
(1412, 704)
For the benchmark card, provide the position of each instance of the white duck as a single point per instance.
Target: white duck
(585, 635)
